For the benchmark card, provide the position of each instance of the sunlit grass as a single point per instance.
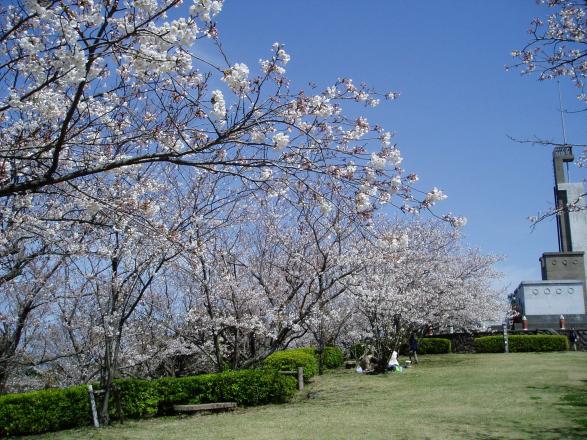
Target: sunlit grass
(484, 396)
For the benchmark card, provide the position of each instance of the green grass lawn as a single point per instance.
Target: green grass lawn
(474, 396)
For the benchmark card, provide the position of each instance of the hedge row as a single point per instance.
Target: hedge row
(333, 356)
(520, 343)
(46, 410)
(56, 409)
(51, 410)
(434, 346)
(142, 398)
(290, 360)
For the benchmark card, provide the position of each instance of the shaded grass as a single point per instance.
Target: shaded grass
(575, 402)
(483, 396)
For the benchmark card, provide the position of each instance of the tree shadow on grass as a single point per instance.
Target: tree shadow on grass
(572, 405)
(574, 433)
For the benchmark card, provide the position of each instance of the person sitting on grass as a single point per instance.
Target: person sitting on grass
(368, 363)
(393, 364)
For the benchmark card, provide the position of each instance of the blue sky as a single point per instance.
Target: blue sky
(457, 105)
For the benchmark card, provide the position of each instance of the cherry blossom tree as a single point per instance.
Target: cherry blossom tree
(29, 262)
(221, 303)
(253, 288)
(93, 86)
(118, 263)
(301, 268)
(332, 324)
(558, 49)
(418, 275)
(157, 205)
(24, 299)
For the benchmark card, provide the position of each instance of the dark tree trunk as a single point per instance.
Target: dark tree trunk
(252, 345)
(321, 356)
(3, 377)
(218, 352)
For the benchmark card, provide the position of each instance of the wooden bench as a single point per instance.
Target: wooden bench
(217, 406)
(350, 364)
(299, 373)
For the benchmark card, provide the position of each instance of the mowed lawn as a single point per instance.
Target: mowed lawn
(473, 396)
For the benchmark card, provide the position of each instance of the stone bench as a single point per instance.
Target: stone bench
(217, 406)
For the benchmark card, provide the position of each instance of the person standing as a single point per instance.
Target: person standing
(413, 348)
(573, 338)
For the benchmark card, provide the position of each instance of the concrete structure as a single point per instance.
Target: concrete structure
(571, 220)
(575, 219)
(563, 288)
(562, 266)
(543, 302)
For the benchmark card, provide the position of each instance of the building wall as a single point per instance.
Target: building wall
(465, 342)
(577, 218)
(563, 266)
(542, 302)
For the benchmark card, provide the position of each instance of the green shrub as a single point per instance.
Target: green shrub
(333, 356)
(309, 350)
(433, 346)
(252, 387)
(489, 344)
(182, 390)
(521, 343)
(246, 387)
(357, 350)
(142, 398)
(290, 360)
(138, 398)
(43, 411)
(52, 410)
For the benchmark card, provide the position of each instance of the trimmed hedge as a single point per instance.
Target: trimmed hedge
(288, 360)
(138, 398)
(246, 387)
(333, 356)
(490, 344)
(143, 398)
(434, 346)
(52, 410)
(46, 410)
(521, 343)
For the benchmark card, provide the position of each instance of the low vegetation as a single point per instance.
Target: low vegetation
(451, 396)
(51, 410)
(333, 357)
(290, 360)
(434, 346)
(46, 410)
(521, 343)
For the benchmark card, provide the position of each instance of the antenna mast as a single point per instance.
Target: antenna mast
(563, 125)
(560, 107)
